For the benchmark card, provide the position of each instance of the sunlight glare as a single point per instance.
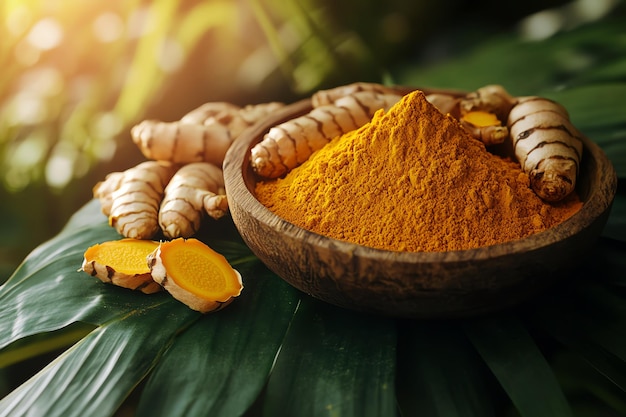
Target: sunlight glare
(22, 159)
(590, 10)
(30, 152)
(105, 126)
(60, 166)
(18, 20)
(108, 27)
(27, 109)
(548, 22)
(171, 55)
(15, 180)
(42, 81)
(46, 34)
(542, 25)
(26, 54)
(257, 66)
(139, 23)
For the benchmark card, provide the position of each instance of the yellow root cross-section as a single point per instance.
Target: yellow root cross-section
(188, 269)
(122, 263)
(195, 274)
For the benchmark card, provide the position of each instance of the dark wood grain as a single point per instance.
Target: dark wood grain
(415, 285)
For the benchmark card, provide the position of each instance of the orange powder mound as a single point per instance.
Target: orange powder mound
(412, 180)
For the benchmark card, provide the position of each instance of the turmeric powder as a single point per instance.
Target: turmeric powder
(412, 179)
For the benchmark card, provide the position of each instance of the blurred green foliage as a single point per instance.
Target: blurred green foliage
(77, 75)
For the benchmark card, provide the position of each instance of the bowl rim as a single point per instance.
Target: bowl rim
(237, 161)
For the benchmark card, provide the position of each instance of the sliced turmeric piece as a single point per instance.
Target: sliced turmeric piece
(481, 112)
(195, 274)
(122, 263)
(492, 98)
(485, 126)
(481, 118)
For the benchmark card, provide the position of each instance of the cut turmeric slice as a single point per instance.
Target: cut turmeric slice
(492, 98)
(195, 274)
(122, 263)
(485, 126)
(481, 118)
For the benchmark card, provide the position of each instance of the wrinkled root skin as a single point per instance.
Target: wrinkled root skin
(138, 282)
(550, 186)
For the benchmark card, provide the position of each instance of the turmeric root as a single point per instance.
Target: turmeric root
(136, 200)
(325, 97)
(289, 144)
(122, 263)
(485, 127)
(446, 104)
(490, 98)
(478, 112)
(195, 274)
(235, 118)
(195, 188)
(547, 145)
(202, 135)
(181, 143)
(213, 112)
(103, 190)
(545, 142)
(156, 196)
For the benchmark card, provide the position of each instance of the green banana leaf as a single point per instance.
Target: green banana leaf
(334, 363)
(504, 343)
(276, 351)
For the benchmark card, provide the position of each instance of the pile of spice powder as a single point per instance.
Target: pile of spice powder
(412, 180)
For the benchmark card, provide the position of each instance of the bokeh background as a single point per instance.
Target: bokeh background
(76, 75)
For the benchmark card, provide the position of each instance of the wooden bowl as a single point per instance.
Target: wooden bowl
(414, 285)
